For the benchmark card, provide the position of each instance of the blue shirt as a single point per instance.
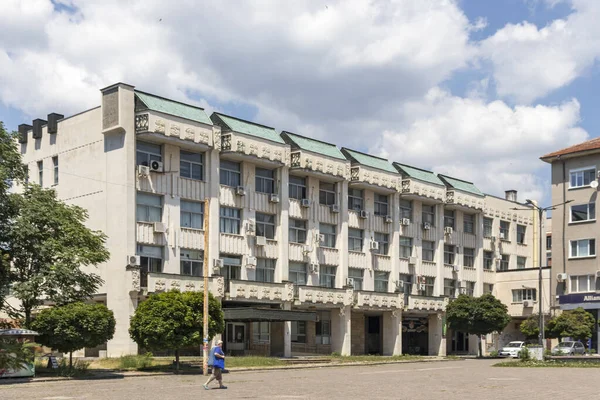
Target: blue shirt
(219, 362)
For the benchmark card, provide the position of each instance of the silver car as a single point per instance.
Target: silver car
(569, 348)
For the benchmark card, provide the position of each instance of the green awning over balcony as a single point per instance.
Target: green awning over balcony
(255, 314)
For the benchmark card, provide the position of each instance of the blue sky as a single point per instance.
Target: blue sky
(470, 88)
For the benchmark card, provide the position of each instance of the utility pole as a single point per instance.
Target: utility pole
(205, 273)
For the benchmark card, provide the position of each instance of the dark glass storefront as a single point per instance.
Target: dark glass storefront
(415, 335)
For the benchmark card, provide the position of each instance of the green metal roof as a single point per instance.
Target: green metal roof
(461, 185)
(172, 107)
(316, 146)
(420, 174)
(368, 160)
(249, 128)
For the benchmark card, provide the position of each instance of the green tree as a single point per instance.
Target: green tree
(48, 243)
(13, 354)
(74, 326)
(477, 315)
(174, 320)
(530, 327)
(577, 324)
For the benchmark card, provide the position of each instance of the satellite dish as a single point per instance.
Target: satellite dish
(594, 184)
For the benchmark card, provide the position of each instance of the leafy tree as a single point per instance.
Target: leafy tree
(577, 324)
(174, 320)
(13, 354)
(477, 315)
(530, 327)
(48, 243)
(74, 326)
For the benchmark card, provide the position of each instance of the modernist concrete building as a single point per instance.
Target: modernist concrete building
(311, 248)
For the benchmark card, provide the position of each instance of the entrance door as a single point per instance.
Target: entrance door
(373, 334)
(460, 342)
(236, 337)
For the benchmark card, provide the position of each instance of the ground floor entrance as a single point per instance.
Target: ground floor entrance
(460, 343)
(415, 335)
(373, 334)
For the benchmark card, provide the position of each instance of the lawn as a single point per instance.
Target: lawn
(547, 364)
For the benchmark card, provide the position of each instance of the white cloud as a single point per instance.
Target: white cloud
(529, 62)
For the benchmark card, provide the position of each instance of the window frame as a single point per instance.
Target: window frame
(449, 218)
(488, 229)
(183, 214)
(591, 283)
(151, 260)
(504, 262)
(469, 254)
(520, 295)
(449, 254)
(148, 208)
(521, 233)
(262, 336)
(40, 165)
(406, 212)
(429, 215)
(327, 196)
(265, 270)
(521, 262)
(264, 183)
(192, 165)
(297, 189)
(356, 199)
(296, 270)
(298, 331)
(323, 328)
(148, 153)
(581, 171)
(198, 263)
(326, 276)
(469, 223)
(591, 246)
(406, 248)
(268, 227)
(450, 287)
(381, 208)
(505, 228)
(358, 277)
(590, 209)
(228, 176)
(384, 243)
(488, 260)
(381, 281)
(55, 169)
(356, 242)
(230, 220)
(330, 238)
(296, 231)
(428, 250)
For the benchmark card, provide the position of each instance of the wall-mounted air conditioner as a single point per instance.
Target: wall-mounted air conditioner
(335, 208)
(426, 226)
(373, 245)
(305, 202)
(388, 219)
(562, 277)
(314, 268)
(251, 261)
(143, 171)
(412, 260)
(527, 303)
(363, 214)
(133, 261)
(160, 227)
(261, 241)
(240, 191)
(274, 198)
(156, 166)
(350, 282)
(405, 221)
(456, 268)
(448, 230)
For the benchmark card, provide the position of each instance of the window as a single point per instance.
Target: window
(323, 328)
(230, 173)
(381, 281)
(297, 273)
(521, 261)
(582, 177)
(406, 209)
(518, 295)
(504, 230)
(405, 247)
(487, 227)
(504, 262)
(583, 248)
(429, 285)
(232, 269)
(299, 331)
(449, 218)
(428, 214)
(151, 258)
(469, 257)
(191, 262)
(148, 208)
(521, 234)
(261, 332)
(191, 165)
(145, 153)
(384, 242)
(408, 282)
(549, 242)
(191, 214)
(326, 193)
(328, 231)
(381, 205)
(470, 289)
(40, 165)
(265, 270)
(355, 239)
(55, 165)
(488, 260)
(355, 199)
(297, 187)
(265, 225)
(357, 275)
(428, 250)
(450, 287)
(265, 180)
(297, 231)
(488, 288)
(327, 276)
(469, 223)
(449, 254)
(583, 212)
(229, 221)
(582, 283)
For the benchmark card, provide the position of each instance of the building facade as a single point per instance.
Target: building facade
(310, 248)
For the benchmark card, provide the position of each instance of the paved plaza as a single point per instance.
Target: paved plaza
(448, 380)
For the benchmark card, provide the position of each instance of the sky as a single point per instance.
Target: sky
(474, 89)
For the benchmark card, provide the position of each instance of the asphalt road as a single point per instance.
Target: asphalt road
(448, 380)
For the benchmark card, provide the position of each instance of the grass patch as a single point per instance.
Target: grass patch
(80, 368)
(547, 364)
(372, 358)
(129, 363)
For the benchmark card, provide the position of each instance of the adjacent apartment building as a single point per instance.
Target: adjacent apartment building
(311, 248)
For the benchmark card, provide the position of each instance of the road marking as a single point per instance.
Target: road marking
(504, 379)
(407, 370)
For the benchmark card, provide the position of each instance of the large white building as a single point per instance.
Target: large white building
(311, 248)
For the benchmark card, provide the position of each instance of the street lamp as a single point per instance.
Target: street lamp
(540, 211)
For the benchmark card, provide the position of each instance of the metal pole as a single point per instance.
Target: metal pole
(541, 322)
(205, 310)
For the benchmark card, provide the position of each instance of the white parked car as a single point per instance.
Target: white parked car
(512, 349)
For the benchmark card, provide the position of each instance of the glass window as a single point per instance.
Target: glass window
(261, 332)
(408, 282)
(145, 153)
(40, 165)
(191, 262)
(504, 230)
(549, 242)
(449, 254)
(191, 214)
(55, 165)
(323, 328)
(428, 214)
(357, 275)
(384, 242)
(429, 285)
(521, 262)
(297, 273)
(355, 239)
(449, 287)
(381, 281)
(328, 232)
(583, 248)
(406, 244)
(470, 289)
(229, 221)
(297, 231)
(469, 257)
(230, 173)
(265, 225)
(148, 208)
(326, 193)
(469, 223)
(406, 209)
(297, 187)
(524, 294)
(265, 270)
(265, 180)
(487, 227)
(232, 269)
(191, 165)
(521, 234)
(488, 288)
(428, 250)
(504, 262)
(151, 258)
(582, 283)
(488, 260)
(449, 218)
(381, 205)
(583, 177)
(298, 331)
(327, 276)
(583, 212)
(355, 199)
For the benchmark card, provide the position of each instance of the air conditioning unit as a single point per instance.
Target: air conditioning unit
(261, 241)
(143, 171)
(421, 287)
(250, 261)
(156, 166)
(462, 285)
(160, 227)
(314, 268)
(405, 221)
(350, 282)
(335, 208)
(597, 274)
(388, 219)
(307, 249)
(133, 261)
(363, 214)
(305, 202)
(320, 238)
(274, 198)
(456, 268)
(561, 277)
(249, 227)
(448, 230)
(426, 226)
(502, 236)
(400, 286)
(412, 260)
(493, 238)
(217, 263)
(373, 245)
(527, 303)
(240, 191)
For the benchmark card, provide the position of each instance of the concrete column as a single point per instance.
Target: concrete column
(341, 326)
(287, 333)
(437, 343)
(214, 187)
(312, 187)
(282, 270)
(342, 240)
(478, 262)
(394, 210)
(392, 333)
(439, 256)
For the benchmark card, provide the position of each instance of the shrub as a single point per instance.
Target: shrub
(494, 353)
(135, 361)
(524, 354)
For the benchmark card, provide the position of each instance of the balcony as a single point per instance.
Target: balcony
(158, 125)
(241, 146)
(378, 300)
(463, 199)
(145, 234)
(328, 256)
(423, 189)
(427, 303)
(160, 282)
(264, 291)
(319, 165)
(371, 178)
(382, 262)
(323, 295)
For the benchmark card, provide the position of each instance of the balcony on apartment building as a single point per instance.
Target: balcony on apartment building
(419, 183)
